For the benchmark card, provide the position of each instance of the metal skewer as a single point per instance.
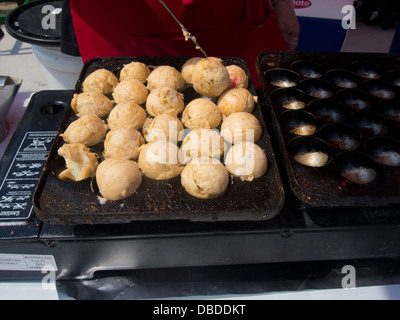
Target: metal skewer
(186, 33)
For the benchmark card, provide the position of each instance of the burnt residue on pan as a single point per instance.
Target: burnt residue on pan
(65, 202)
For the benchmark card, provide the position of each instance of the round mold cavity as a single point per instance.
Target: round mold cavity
(329, 110)
(341, 136)
(298, 122)
(357, 168)
(394, 132)
(310, 151)
(384, 150)
(308, 69)
(317, 88)
(380, 89)
(343, 78)
(367, 70)
(393, 77)
(370, 123)
(355, 99)
(390, 109)
(282, 78)
(53, 108)
(290, 98)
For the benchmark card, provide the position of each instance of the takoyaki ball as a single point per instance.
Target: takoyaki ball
(163, 127)
(164, 100)
(91, 102)
(236, 100)
(247, 161)
(123, 143)
(88, 130)
(165, 76)
(187, 68)
(210, 77)
(161, 160)
(201, 113)
(241, 126)
(101, 80)
(80, 162)
(126, 114)
(203, 143)
(118, 179)
(135, 70)
(238, 77)
(205, 178)
(130, 90)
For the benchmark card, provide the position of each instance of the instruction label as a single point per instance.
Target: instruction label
(26, 262)
(18, 186)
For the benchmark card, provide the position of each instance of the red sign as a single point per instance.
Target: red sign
(302, 4)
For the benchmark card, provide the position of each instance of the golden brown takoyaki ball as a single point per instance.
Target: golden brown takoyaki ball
(236, 100)
(188, 67)
(123, 143)
(101, 80)
(210, 77)
(238, 77)
(88, 130)
(247, 161)
(163, 127)
(203, 143)
(127, 114)
(165, 76)
(91, 102)
(80, 162)
(201, 113)
(130, 90)
(241, 126)
(135, 70)
(164, 100)
(205, 178)
(118, 179)
(160, 160)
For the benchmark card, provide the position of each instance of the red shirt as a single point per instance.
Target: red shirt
(236, 28)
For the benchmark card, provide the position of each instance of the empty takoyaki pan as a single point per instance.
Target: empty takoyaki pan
(337, 120)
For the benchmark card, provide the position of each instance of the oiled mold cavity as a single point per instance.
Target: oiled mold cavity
(357, 168)
(310, 151)
(367, 70)
(355, 99)
(298, 122)
(341, 136)
(390, 109)
(329, 110)
(343, 78)
(289, 98)
(308, 69)
(317, 88)
(370, 123)
(380, 89)
(282, 78)
(393, 77)
(384, 150)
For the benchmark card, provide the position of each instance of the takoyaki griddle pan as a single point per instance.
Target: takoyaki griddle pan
(63, 202)
(336, 117)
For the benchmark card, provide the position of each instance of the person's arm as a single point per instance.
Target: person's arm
(287, 19)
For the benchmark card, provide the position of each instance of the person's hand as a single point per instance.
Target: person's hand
(287, 19)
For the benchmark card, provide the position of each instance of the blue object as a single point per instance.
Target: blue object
(318, 34)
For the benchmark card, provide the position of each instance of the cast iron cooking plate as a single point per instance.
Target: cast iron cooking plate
(371, 85)
(62, 202)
